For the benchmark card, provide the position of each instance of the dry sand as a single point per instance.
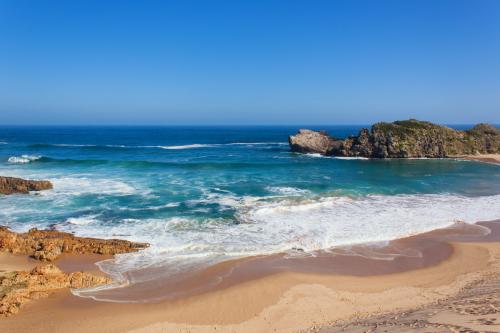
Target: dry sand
(475, 308)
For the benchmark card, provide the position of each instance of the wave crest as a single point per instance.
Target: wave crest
(23, 159)
(192, 146)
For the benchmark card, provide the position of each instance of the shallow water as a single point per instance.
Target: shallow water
(204, 195)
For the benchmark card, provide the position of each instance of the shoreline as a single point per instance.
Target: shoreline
(283, 300)
(400, 255)
(485, 158)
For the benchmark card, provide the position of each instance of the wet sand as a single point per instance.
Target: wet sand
(273, 293)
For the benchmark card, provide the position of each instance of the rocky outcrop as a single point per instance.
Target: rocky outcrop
(10, 185)
(20, 287)
(307, 141)
(47, 245)
(402, 139)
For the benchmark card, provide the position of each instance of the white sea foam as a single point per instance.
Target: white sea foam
(168, 205)
(265, 227)
(286, 190)
(350, 158)
(81, 185)
(23, 159)
(225, 200)
(83, 220)
(316, 155)
(192, 146)
(330, 221)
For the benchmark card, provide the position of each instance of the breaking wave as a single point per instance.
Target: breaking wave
(196, 145)
(23, 159)
(276, 226)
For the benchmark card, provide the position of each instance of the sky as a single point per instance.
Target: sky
(253, 62)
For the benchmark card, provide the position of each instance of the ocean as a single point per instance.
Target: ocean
(202, 195)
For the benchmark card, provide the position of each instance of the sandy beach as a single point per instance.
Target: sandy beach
(455, 265)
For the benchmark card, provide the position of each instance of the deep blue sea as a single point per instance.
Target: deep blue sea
(201, 195)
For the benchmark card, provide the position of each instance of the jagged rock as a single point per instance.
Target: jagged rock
(20, 287)
(307, 141)
(48, 245)
(402, 139)
(10, 185)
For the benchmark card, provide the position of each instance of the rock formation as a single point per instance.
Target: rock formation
(20, 287)
(47, 245)
(307, 141)
(402, 139)
(10, 185)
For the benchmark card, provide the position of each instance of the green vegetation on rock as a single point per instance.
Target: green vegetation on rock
(406, 139)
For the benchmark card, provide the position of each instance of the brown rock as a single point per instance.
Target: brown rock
(20, 287)
(307, 141)
(48, 245)
(86, 280)
(46, 270)
(10, 185)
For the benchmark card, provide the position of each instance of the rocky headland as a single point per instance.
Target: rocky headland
(18, 287)
(11, 185)
(402, 139)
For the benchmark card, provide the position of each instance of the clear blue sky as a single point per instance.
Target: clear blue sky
(248, 62)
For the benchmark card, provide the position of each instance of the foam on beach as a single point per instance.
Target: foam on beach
(292, 226)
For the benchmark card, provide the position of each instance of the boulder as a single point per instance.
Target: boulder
(307, 141)
(10, 185)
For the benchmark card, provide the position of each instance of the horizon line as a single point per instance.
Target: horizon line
(223, 125)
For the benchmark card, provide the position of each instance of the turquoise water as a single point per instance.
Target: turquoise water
(203, 195)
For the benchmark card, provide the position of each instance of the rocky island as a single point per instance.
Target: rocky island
(402, 139)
